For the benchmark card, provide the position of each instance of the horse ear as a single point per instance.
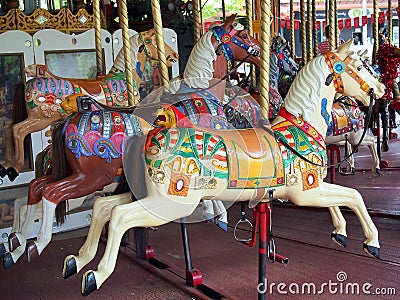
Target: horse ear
(229, 20)
(344, 48)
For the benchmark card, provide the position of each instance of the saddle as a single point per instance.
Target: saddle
(254, 158)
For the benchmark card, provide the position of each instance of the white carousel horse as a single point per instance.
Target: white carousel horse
(45, 92)
(175, 157)
(347, 125)
(84, 184)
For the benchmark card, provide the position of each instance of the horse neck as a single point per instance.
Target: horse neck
(220, 66)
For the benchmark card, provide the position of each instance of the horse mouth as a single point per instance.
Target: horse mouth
(160, 118)
(171, 59)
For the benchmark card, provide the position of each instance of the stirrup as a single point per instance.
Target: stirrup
(242, 240)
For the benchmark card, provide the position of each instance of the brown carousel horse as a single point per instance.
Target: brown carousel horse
(95, 141)
(182, 166)
(45, 92)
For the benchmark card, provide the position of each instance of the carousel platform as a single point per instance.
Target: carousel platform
(317, 269)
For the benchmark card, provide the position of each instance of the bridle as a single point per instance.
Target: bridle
(337, 67)
(225, 38)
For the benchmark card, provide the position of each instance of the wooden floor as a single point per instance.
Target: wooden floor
(229, 268)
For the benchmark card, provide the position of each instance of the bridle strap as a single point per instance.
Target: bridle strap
(225, 38)
(338, 67)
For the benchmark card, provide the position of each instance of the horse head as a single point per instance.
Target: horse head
(236, 43)
(70, 103)
(352, 75)
(149, 46)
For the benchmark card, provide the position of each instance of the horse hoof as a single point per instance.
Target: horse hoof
(3, 172)
(31, 251)
(2, 250)
(339, 239)
(372, 251)
(89, 283)
(223, 226)
(69, 268)
(12, 174)
(378, 171)
(13, 242)
(7, 261)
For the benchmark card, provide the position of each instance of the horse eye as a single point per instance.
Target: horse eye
(359, 68)
(244, 36)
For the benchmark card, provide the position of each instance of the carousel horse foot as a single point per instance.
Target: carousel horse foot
(385, 146)
(209, 217)
(339, 239)
(12, 173)
(31, 251)
(372, 251)
(7, 261)
(88, 283)
(3, 172)
(13, 242)
(69, 268)
(223, 225)
(2, 250)
(378, 171)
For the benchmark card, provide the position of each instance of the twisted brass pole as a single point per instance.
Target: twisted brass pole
(292, 39)
(249, 19)
(196, 20)
(265, 55)
(332, 25)
(310, 30)
(97, 37)
(123, 19)
(314, 31)
(376, 30)
(303, 32)
(157, 22)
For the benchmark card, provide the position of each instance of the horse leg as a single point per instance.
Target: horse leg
(370, 142)
(338, 235)
(101, 214)
(222, 213)
(20, 131)
(17, 240)
(153, 210)
(208, 210)
(19, 214)
(330, 195)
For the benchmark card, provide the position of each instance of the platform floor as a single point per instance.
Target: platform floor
(230, 268)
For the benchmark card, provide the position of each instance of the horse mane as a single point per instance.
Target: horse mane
(119, 62)
(305, 90)
(199, 68)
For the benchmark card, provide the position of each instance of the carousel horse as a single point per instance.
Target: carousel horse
(182, 166)
(346, 125)
(45, 92)
(93, 136)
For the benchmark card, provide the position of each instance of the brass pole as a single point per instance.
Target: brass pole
(249, 19)
(314, 31)
(157, 22)
(376, 30)
(332, 25)
(123, 19)
(310, 30)
(292, 37)
(303, 32)
(196, 20)
(265, 56)
(97, 36)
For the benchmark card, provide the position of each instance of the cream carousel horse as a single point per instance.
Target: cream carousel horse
(45, 92)
(244, 165)
(347, 125)
(87, 146)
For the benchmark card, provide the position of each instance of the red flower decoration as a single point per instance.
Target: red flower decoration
(226, 39)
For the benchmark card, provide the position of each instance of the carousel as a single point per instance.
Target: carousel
(130, 128)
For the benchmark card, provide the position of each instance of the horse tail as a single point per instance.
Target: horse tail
(60, 167)
(134, 167)
(19, 112)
